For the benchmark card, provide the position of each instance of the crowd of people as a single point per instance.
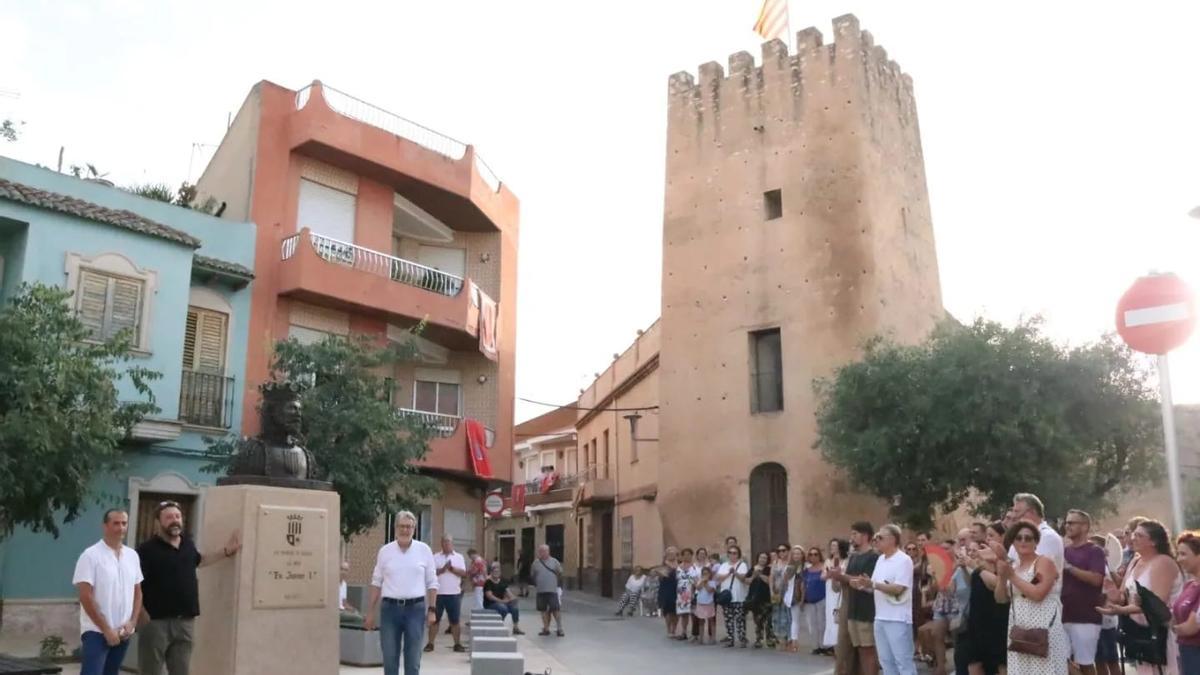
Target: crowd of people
(1018, 597)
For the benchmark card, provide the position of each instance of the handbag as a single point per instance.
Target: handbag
(1032, 641)
(724, 597)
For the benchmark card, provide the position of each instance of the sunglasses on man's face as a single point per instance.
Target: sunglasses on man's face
(1024, 538)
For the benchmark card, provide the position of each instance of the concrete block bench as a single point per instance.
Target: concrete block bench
(504, 645)
(497, 632)
(497, 663)
(359, 647)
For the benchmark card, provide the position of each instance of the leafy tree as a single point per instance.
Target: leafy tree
(187, 196)
(61, 422)
(977, 413)
(8, 130)
(359, 441)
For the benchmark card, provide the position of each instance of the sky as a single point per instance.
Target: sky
(1060, 138)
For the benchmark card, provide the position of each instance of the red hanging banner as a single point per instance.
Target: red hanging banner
(477, 447)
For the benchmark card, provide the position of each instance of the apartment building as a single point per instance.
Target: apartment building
(370, 224)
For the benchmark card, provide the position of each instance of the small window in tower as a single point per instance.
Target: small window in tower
(773, 204)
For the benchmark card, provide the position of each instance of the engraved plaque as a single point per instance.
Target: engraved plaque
(291, 557)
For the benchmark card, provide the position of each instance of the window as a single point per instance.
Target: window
(627, 542)
(436, 397)
(204, 341)
(766, 377)
(607, 458)
(461, 526)
(326, 211)
(108, 304)
(773, 204)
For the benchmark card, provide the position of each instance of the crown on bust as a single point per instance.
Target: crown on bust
(282, 390)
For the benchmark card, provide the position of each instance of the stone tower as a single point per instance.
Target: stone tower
(795, 202)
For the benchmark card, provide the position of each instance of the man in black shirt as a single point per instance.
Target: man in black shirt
(497, 596)
(171, 593)
(856, 616)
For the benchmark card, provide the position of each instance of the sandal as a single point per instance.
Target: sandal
(559, 633)
(459, 648)
(543, 633)
(428, 648)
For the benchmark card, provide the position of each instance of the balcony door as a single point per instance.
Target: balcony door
(204, 392)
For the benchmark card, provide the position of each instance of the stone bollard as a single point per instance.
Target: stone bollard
(497, 663)
(507, 645)
(499, 632)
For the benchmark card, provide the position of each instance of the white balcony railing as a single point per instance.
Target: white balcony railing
(380, 264)
(439, 424)
(368, 113)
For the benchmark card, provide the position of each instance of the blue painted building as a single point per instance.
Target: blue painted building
(180, 279)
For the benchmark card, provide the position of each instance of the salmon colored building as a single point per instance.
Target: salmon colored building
(369, 224)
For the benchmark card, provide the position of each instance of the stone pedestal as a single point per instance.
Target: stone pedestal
(273, 609)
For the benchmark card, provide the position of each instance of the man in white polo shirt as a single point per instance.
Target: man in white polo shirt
(405, 577)
(108, 576)
(1029, 508)
(451, 568)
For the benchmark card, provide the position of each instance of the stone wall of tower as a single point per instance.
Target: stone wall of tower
(834, 129)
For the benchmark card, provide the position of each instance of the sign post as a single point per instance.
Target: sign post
(1158, 314)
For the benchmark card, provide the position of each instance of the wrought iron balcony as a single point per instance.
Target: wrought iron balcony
(206, 400)
(438, 424)
(380, 264)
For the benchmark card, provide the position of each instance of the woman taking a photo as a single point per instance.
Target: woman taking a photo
(1029, 584)
(733, 576)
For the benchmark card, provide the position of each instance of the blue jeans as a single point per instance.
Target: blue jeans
(894, 644)
(98, 657)
(1189, 660)
(402, 627)
(506, 610)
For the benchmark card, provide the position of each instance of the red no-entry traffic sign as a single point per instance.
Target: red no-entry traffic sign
(1157, 314)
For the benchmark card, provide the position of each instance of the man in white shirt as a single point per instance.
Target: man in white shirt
(405, 578)
(891, 581)
(108, 576)
(1029, 508)
(451, 568)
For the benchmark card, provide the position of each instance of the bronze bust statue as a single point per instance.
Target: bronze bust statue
(276, 456)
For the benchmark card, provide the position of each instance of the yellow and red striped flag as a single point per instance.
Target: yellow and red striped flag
(772, 19)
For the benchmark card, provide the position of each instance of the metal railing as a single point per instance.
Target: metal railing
(369, 113)
(380, 264)
(206, 400)
(287, 247)
(437, 423)
(563, 483)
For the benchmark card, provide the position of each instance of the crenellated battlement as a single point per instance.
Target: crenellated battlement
(852, 65)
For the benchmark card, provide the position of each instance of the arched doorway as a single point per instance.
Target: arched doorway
(768, 507)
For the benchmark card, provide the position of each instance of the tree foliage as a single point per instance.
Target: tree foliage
(186, 196)
(977, 413)
(9, 130)
(358, 439)
(61, 422)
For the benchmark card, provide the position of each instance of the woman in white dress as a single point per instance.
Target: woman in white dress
(1036, 603)
(839, 550)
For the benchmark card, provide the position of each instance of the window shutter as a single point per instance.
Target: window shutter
(126, 308)
(210, 343)
(93, 299)
(189, 340)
